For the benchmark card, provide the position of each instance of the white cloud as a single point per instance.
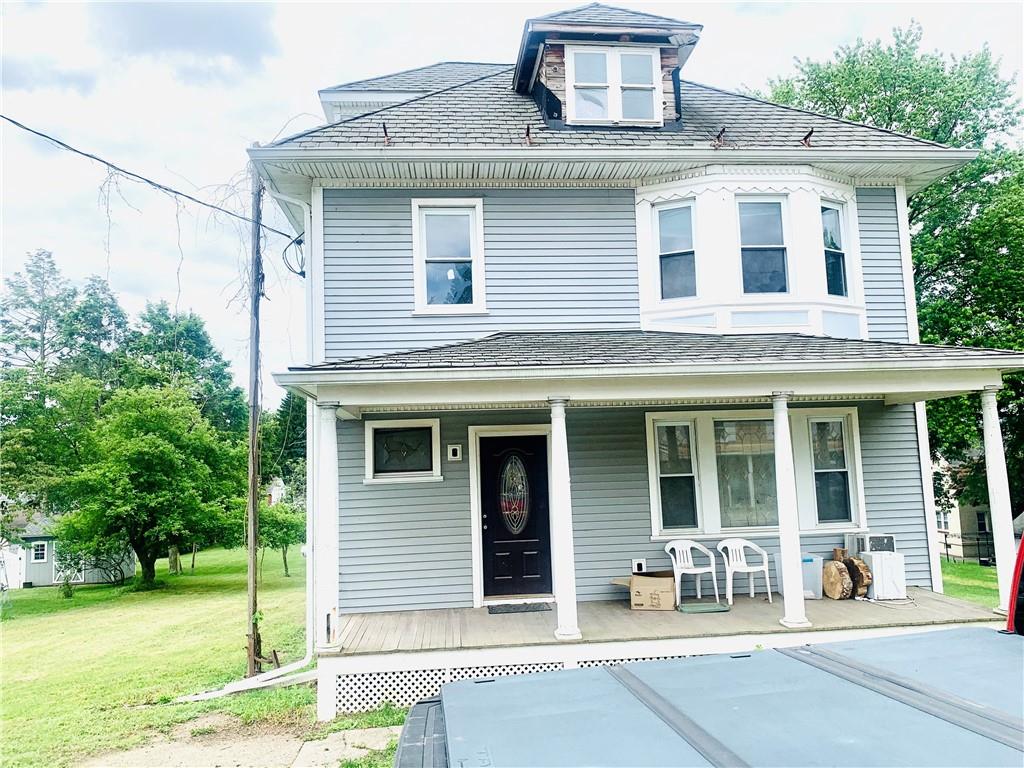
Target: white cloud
(178, 92)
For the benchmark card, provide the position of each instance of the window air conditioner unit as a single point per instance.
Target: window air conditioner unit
(858, 543)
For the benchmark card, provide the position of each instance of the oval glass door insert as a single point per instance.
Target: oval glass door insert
(514, 493)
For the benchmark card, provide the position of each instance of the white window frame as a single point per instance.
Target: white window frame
(706, 470)
(614, 84)
(783, 201)
(433, 476)
(656, 224)
(759, 416)
(654, 473)
(840, 208)
(848, 458)
(46, 552)
(422, 206)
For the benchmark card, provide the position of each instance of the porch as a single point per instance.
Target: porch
(612, 621)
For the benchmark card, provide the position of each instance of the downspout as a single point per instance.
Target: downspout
(283, 676)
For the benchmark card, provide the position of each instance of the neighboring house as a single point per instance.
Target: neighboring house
(33, 563)
(565, 310)
(965, 530)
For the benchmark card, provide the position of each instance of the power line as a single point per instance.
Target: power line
(138, 177)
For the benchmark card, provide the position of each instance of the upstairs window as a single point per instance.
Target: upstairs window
(448, 249)
(835, 256)
(763, 247)
(675, 252)
(613, 85)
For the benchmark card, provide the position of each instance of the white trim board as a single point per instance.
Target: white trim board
(475, 433)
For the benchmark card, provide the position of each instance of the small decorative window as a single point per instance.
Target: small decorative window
(675, 252)
(448, 247)
(514, 495)
(677, 475)
(831, 470)
(402, 450)
(835, 256)
(763, 247)
(39, 552)
(614, 85)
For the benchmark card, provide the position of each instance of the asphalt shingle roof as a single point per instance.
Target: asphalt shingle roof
(433, 77)
(596, 13)
(486, 112)
(646, 348)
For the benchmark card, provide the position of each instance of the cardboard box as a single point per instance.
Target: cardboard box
(653, 591)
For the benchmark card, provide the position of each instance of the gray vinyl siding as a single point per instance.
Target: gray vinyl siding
(41, 574)
(410, 546)
(554, 259)
(884, 292)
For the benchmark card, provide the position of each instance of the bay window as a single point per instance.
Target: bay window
(613, 85)
(676, 259)
(763, 247)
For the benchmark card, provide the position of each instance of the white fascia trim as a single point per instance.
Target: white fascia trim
(1000, 364)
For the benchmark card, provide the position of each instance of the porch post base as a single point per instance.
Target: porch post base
(794, 623)
(568, 633)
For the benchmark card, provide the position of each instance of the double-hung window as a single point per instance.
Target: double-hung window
(835, 256)
(763, 247)
(677, 265)
(831, 470)
(449, 259)
(614, 85)
(676, 474)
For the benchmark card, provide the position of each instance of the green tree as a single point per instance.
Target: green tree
(967, 227)
(94, 332)
(33, 314)
(283, 440)
(156, 473)
(175, 349)
(281, 526)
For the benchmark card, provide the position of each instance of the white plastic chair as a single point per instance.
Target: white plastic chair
(734, 552)
(680, 551)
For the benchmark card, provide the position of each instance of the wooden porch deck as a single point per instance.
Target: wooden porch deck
(613, 621)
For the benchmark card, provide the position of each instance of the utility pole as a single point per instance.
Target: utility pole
(255, 649)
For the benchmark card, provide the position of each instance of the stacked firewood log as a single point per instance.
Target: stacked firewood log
(845, 577)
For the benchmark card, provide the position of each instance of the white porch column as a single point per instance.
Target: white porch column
(998, 497)
(789, 519)
(326, 544)
(563, 562)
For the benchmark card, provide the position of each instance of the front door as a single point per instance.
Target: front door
(514, 509)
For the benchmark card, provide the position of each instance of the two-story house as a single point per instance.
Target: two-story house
(566, 310)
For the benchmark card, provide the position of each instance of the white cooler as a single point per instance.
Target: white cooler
(811, 566)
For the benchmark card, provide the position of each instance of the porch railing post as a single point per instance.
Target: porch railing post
(998, 496)
(563, 561)
(794, 614)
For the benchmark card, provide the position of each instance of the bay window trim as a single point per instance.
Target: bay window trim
(784, 246)
(702, 446)
(372, 477)
(614, 84)
(423, 206)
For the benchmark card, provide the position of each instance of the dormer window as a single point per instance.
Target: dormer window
(613, 85)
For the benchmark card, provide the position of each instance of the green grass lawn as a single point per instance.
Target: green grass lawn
(970, 581)
(98, 672)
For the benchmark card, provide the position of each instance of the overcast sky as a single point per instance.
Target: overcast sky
(177, 92)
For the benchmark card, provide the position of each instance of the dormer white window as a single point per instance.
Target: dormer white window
(613, 85)
(448, 250)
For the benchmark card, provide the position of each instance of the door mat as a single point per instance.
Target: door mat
(519, 608)
(703, 607)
